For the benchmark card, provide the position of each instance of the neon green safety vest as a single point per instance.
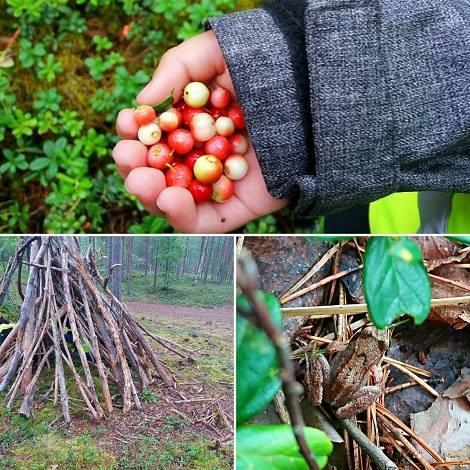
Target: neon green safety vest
(399, 213)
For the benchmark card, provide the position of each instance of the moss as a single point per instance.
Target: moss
(54, 451)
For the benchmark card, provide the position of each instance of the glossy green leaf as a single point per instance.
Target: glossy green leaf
(275, 447)
(395, 281)
(165, 104)
(257, 366)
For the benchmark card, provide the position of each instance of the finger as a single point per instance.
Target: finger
(146, 184)
(129, 154)
(179, 208)
(198, 59)
(126, 127)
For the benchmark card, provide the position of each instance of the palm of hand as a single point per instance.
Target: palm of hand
(197, 59)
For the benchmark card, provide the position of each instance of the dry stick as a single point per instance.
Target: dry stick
(96, 351)
(312, 271)
(395, 420)
(399, 437)
(27, 403)
(450, 281)
(451, 463)
(318, 284)
(113, 328)
(59, 368)
(76, 337)
(408, 372)
(335, 270)
(246, 280)
(326, 311)
(374, 452)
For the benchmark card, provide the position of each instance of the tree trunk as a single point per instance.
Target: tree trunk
(202, 257)
(130, 245)
(116, 266)
(155, 265)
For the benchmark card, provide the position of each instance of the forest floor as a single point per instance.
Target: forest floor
(163, 434)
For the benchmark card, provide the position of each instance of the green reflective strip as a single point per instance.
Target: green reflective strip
(397, 213)
(7, 326)
(459, 220)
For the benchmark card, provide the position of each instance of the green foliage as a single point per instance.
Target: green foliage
(73, 72)
(257, 366)
(395, 281)
(267, 447)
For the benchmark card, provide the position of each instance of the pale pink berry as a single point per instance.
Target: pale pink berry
(235, 167)
(224, 126)
(149, 134)
(202, 127)
(239, 144)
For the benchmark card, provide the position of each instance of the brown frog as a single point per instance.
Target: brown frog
(343, 384)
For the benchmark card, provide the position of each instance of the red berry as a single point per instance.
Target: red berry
(239, 144)
(201, 191)
(208, 169)
(170, 120)
(235, 113)
(159, 156)
(219, 146)
(144, 114)
(220, 98)
(191, 158)
(215, 112)
(189, 113)
(178, 174)
(224, 189)
(180, 105)
(224, 126)
(181, 141)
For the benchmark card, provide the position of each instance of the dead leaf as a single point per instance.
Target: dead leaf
(461, 387)
(438, 251)
(455, 315)
(445, 426)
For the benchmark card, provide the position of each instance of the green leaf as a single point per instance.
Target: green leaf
(275, 447)
(257, 366)
(395, 281)
(39, 163)
(165, 104)
(464, 240)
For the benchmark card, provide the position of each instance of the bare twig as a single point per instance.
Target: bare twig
(246, 279)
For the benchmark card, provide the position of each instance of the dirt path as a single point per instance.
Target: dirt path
(223, 314)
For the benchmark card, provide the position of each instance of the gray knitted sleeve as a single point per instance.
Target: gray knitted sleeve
(347, 101)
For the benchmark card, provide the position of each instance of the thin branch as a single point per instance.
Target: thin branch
(246, 279)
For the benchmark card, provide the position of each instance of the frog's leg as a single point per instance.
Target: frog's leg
(317, 377)
(360, 401)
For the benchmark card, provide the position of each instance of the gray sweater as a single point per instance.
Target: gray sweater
(347, 101)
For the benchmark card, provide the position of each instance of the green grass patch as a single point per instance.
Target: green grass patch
(192, 453)
(54, 451)
(32, 444)
(181, 291)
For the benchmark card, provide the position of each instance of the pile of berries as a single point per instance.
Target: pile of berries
(198, 142)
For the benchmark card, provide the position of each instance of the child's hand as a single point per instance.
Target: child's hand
(199, 59)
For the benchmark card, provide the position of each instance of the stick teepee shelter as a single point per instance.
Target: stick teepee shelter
(71, 322)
